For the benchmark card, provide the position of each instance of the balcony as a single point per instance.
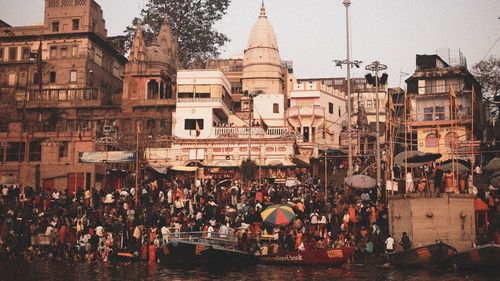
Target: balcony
(242, 132)
(63, 98)
(306, 115)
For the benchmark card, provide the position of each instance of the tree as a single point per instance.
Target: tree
(192, 23)
(248, 169)
(487, 73)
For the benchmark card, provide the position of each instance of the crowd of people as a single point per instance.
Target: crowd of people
(93, 224)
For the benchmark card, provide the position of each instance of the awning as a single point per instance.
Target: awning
(183, 168)
(300, 163)
(331, 151)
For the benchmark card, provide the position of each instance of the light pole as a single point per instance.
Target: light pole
(349, 63)
(376, 66)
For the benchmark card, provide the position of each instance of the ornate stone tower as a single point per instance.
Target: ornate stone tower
(261, 62)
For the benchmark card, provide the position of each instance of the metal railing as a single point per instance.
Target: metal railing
(203, 237)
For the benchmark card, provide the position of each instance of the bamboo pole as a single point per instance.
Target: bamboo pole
(472, 138)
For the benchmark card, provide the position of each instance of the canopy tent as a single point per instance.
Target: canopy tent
(184, 168)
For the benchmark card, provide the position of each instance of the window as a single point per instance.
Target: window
(421, 87)
(276, 108)
(1, 54)
(25, 53)
(63, 149)
(190, 124)
(13, 53)
(431, 140)
(428, 113)
(12, 79)
(91, 53)
(330, 108)
(340, 111)
(53, 52)
(74, 51)
(440, 112)
(339, 82)
(53, 77)
(35, 78)
(64, 51)
(368, 103)
(72, 76)
(76, 24)
(55, 26)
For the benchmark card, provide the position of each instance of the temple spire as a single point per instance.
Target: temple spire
(262, 11)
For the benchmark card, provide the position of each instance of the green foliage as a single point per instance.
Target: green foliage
(248, 169)
(192, 23)
(487, 73)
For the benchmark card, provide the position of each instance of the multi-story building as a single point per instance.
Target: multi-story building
(437, 126)
(58, 80)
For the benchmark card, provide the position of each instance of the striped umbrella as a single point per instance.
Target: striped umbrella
(281, 214)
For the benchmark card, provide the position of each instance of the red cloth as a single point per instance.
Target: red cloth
(152, 253)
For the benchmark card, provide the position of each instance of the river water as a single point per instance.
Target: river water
(54, 270)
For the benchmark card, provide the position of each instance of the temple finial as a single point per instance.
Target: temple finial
(262, 11)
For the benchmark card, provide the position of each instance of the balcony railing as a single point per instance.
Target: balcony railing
(242, 132)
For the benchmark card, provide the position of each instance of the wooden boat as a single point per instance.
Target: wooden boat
(434, 254)
(330, 256)
(195, 248)
(485, 257)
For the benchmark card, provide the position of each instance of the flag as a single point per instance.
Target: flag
(452, 92)
(197, 129)
(263, 124)
(453, 96)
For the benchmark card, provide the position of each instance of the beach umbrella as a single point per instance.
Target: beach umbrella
(360, 181)
(493, 165)
(424, 158)
(279, 214)
(458, 166)
(399, 159)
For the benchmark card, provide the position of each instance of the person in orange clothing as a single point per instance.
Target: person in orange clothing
(298, 240)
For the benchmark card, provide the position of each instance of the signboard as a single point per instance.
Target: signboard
(197, 156)
(110, 156)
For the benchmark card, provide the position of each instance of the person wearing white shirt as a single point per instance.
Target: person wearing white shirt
(389, 244)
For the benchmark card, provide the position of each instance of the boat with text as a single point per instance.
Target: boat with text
(329, 256)
(434, 254)
(485, 257)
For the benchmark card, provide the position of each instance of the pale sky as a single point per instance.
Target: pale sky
(311, 33)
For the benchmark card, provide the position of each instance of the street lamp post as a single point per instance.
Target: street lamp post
(349, 64)
(376, 66)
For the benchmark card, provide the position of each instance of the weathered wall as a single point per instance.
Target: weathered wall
(449, 219)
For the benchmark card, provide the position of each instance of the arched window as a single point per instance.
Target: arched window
(152, 89)
(431, 140)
